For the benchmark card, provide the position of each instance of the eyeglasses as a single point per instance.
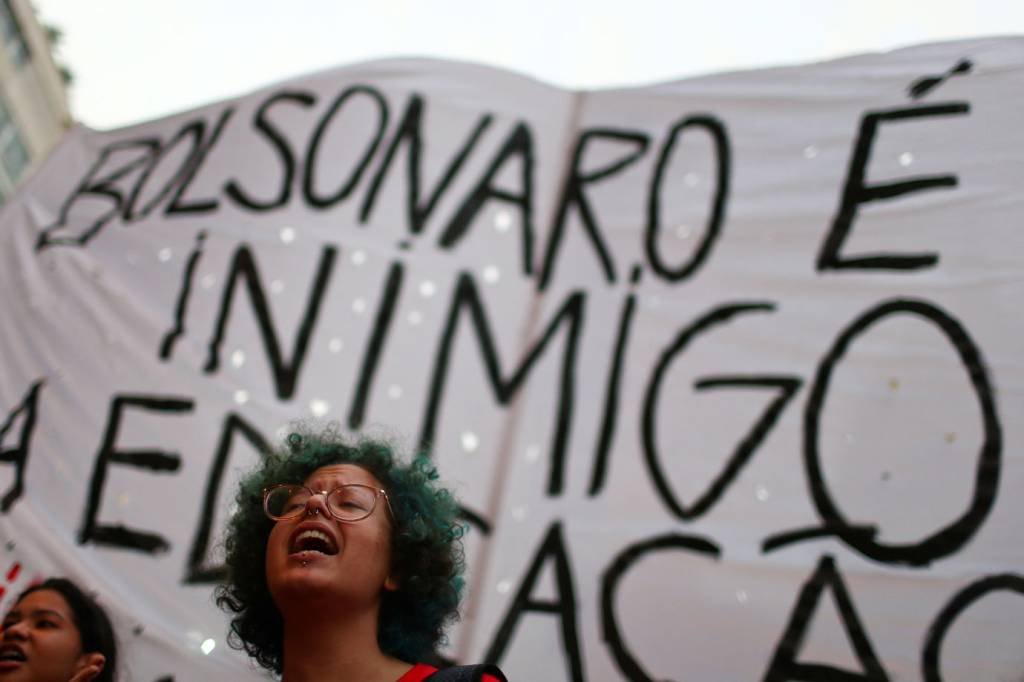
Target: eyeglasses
(346, 503)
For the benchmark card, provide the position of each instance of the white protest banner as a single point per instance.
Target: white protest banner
(726, 371)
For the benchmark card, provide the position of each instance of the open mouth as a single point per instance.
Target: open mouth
(313, 541)
(11, 654)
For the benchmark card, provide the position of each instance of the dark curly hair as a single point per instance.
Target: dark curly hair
(91, 621)
(426, 547)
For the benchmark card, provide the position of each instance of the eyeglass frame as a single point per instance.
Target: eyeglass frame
(326, 493)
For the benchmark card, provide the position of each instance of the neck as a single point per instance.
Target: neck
(339, 649)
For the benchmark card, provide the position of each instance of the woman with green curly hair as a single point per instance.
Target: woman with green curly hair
(344, 563)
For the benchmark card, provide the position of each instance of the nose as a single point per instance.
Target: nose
(317, 504)
(15, 631)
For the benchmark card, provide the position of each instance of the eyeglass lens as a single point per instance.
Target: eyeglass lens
(348, 503)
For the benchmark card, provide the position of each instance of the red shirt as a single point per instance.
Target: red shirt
(420, 671)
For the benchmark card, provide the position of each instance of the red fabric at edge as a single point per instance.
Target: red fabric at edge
(420, 671)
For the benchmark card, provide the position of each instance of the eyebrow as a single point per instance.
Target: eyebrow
(35, 614)
(317, 488)
(48, 612)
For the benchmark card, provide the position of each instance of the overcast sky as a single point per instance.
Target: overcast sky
(135, 60)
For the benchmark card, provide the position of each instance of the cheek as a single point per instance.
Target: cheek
(58, 654)
(275, 553)
(274, 539)
(382, 549)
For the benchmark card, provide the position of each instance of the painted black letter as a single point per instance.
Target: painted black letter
(856, 192)
(155, 460)
(284, 151)
(932, 653)
(19, 453)
(784, 666)
(409, 131)
(573, 194)
(946, 540)
(610, 631)
(571, 314)
(519, 143)
(285, 373)
(718, 316)
(140, 152)
(553, 547)
(179, 182)
(308, 190)
(198, 571)
(716, 129)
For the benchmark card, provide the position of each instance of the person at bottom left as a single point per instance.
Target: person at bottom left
(55, 632)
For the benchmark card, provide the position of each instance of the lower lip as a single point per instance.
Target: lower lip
(10, 665)
(307, 556)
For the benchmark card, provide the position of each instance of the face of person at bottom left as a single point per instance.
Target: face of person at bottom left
(317, 557)
(40, 642)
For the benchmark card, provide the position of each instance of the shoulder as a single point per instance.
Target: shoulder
(471, 673)
(417, 673)
(421, 672)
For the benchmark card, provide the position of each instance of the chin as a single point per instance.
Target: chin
(292, 580)
(19, 674)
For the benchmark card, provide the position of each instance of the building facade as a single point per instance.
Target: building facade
(34, 110)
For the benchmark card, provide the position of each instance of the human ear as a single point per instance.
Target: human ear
(89, 667)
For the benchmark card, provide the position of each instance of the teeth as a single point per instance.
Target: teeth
(312, 535)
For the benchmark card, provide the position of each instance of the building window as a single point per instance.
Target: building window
(13, 155)
(14, 40)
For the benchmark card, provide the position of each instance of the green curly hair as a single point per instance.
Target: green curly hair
(426, 548)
